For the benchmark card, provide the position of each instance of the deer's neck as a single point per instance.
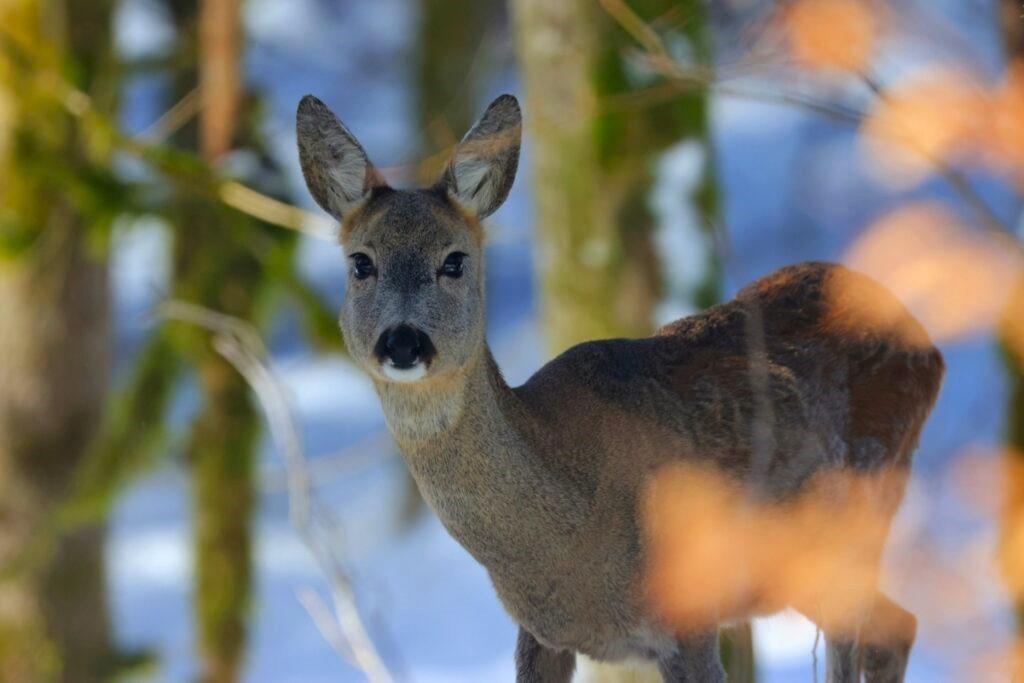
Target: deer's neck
(427, 417)
(472, 447)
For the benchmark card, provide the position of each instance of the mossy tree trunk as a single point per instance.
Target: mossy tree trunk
(594, 145)
(449, 51)
(211, 268)
(54, 341)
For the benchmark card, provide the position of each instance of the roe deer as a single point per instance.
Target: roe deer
(545, 484)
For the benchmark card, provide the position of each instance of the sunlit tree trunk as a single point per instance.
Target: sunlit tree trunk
(594, 144)
(558, 46)
(54, 346)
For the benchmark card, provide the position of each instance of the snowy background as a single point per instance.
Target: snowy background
(794, 188)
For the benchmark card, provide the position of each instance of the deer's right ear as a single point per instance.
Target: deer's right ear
(483, 166)
(338, 173)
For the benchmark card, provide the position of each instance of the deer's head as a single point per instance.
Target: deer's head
(414, 304)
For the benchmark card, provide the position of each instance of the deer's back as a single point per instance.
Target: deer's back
(797, 375)
(812, 367)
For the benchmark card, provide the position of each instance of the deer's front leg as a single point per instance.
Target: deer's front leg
(538, 664)
(696, 660)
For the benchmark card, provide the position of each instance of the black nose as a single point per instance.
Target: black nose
(404, 345)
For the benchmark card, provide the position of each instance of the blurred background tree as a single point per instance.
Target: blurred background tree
(58, 200)
(55, 239)
(229, 262)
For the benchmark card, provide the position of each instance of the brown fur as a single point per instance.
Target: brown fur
(544, 483)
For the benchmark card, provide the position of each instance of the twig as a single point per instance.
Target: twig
(372, 450)
(325, 622)
(276, 212)
(956, 179)
(635, 26)
(239, 343)
(236, 195)
(174, 118)
(662, 63)
(814, 653)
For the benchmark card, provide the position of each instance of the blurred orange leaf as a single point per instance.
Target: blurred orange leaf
(1004, 132)
(931, 117)
(830, 34)
(1011, 550)
(718, 554)
(954, 280)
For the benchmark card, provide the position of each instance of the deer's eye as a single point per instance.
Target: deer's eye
(362, 266)
(452, 265)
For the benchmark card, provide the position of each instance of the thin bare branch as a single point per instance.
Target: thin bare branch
(172, 120)
(239, 343)
(373, 450)
(953, 176)
(325, 622)
(634, 24)
(688, 77)
(276, 212)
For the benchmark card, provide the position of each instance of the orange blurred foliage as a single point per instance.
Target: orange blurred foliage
(991, 481)
(1011, 327)
(830, 34)
(944, 115)
(717, 553)
(1011, 549)
(956, 281)
(935, 116)
(1004, 130)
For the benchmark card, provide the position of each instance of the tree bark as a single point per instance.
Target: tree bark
(55, 345)
(211, 269)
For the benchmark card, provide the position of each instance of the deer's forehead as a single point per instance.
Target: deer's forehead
(400, 220)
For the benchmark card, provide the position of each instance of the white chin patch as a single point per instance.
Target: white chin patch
(416, 372)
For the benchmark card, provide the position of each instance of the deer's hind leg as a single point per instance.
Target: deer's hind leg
(886, 639)
(696, 660)
(879, 649)
(536, 663)
(842, 659)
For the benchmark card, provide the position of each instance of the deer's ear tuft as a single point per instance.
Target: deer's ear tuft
(338, 173)
(483, 166)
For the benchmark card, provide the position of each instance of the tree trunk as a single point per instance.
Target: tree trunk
(558, 46)
(55, 346)
(54, 339)
(211, 269)
(450, 43)
(593, 150)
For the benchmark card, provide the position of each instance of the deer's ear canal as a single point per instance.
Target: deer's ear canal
(484, 164)
(338, 173)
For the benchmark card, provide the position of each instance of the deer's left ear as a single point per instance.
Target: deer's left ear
(483, 166)
(338, 173)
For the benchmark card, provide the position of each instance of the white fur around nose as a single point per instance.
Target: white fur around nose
(417, 372)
